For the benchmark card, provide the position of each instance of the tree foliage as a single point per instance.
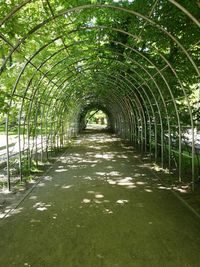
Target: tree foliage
(96, 45)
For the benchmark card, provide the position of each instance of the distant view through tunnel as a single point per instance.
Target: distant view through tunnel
(96, 119)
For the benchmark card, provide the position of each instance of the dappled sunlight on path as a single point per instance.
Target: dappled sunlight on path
(100, 206)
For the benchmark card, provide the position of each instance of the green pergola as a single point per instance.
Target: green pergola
(135, 60)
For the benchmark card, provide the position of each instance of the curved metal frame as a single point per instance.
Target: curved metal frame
(168, 64)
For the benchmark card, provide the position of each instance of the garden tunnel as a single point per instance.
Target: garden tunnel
(135, 60)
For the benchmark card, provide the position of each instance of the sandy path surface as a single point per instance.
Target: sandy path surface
(99, 206)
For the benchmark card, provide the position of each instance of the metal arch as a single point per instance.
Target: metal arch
(186, 12)
(143, 128)
(137, 112)
(140, 65)
(143, 118)
(99, 104)
(118, 99)
(190, 114)
(147, 110)
(151, 105)
(140, 107)
(27, 62)
(7, 117)
(138, 92)
(61, 105)
(126, 46)
(44, 76)
(36, 72)
(13, 11)
(165, 82)
(188, 105)
(109, 99)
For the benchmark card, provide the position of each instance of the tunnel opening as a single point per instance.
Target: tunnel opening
(96, 119)
(95, 116)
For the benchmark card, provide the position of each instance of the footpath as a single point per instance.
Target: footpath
(99, 206)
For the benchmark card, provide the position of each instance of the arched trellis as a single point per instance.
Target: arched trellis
(157, 70)
(151, 78)
(128, 82)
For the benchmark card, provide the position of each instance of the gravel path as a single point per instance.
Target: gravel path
(100, 207)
